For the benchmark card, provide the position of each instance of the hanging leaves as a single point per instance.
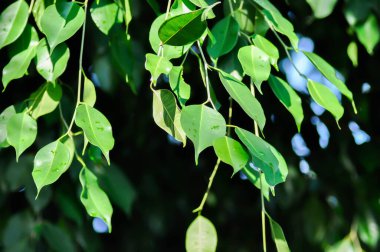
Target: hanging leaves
(322, 8)
(4, 118)
(105, 14)
(157, 65)
(369, 33)
(278, 236)
(178, 85)
(201, 236)
(45, 99)
(89, 92)
(267, 47)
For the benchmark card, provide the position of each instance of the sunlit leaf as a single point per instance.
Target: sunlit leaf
(278, 236)
(166, 114)
(12, 22)
(352, 52)
(254, 177)
(266, 46)
(183, 29)
(202, 125)
(89, 92)
(345, 245)
(288, 97)
(96, 128)
(264, 157)
(322, 8)
(231, 152)
(201, 236)
(242, 95)
(157, 65)
(94, 199)
(369, 33)
(68, 18)
(50, 163)
(39, 9)
(4, 118)
(105, 14)
(45, 99)
(178, 85)
(21, 132)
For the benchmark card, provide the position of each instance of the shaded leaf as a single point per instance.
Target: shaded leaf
(201, 236)
(278, 236)
(4, 118)
(368, 230)
(105, 14)
(202, 125)
(254, 177)
(369, 33)
(157, 65)
(45, 99)
(178, 85)
(59, 240)
(16, 233)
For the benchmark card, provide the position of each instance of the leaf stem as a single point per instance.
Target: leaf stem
(263, 213)
(211, 180)
(31, 6)
(168, 9)
(229, 116)
(206, 66)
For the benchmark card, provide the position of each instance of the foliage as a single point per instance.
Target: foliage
(232, 47)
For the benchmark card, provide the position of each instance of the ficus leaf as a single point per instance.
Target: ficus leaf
(254, 177)
(201, 236)
(105, 14)
(183, 29)
(94, 199)
(202, 125)
(50, 163)
(278, 236)
(4, 118)
(61, 21)
(264, 157)
(231, 152)
(21, 132)
(178, 85)
(369, 33)
(45, 99)
(288, 97)
(12, 22)
(322, 8)
(157, 65)
(255, 63)
(96, 128)
(166, 114)
(58, 238)
(266, 46)
(89, 92)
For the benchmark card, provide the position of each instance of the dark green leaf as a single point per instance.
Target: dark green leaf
(368, 230)
(201, 236)
(43, 198)
(58, 239)
(15, 235)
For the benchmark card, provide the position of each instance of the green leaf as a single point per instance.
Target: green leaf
(201, 236)
(16, 233)
(68, 19)
(105, 14)
(352, 52)
(96, 128)
(267, 47)
(345, 245)
(39, 9)
(369, 33)
(168, 51)
(178, 85)
(89, 92)
(52, 65)
(288, 97)
(166, 114)
(225, 33)
(255, 63)
(241, 94)
(278, 236)
(230, 63)
(329, 72)
(94, 199)
(12, 22)
(264, 157)
(325, 98)
(57, 238)
(4, 118)
(22, 131)
(19, 63)
(231, 152)
(37, 204)
(157, 65)
(244, 13)
(277, 21)
(254, 177)
(46, 99)
(50, 163)
(322, 8)
(183, 29)
(202, 125)
(368, 230)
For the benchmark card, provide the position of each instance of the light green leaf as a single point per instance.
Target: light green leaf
(277, 21)
(267, 47)
(50, 163)
(4, 118)
(254, 177)
(178, 85)
(368, 230)
(22, 131)
(89, 92)
(329, 72)
(68, 19)
(231, 152)
(241, 94)
(345, 245)
(105, 14)
(202, 125)
(157, 65)
(225, 33)
(166, 114)
(255, 63)
(352, 52)
(12, 22)
(19, 63)
(183, 29)
(128, 14)
(96, 128)
(264, 157)
(201, 236)
(278, 236)
(58, 239)
(322, 8)
(52, 65)
(288, 97)
(45, 99)
(39, 9)
(369, 33)
(168, 51)
(325, 98)
(94, 199)
(69, 143)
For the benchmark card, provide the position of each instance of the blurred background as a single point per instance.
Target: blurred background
(331, 199)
